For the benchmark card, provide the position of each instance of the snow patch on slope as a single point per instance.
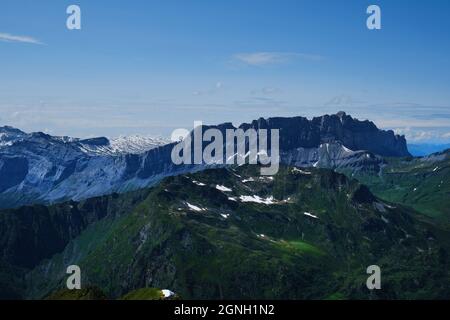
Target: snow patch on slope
(297, 170)
(310, 215)
(167, 293)
(195, 208)
(223, 188)
(257, 199)
(123, 145)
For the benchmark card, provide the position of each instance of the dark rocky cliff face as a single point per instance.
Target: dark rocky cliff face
(354, 134)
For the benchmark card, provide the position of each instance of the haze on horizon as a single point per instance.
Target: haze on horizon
(149, 67)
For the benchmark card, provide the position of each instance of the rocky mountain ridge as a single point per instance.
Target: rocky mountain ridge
(39, 168)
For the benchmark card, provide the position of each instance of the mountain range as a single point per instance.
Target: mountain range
(39, 168)
(347, 196)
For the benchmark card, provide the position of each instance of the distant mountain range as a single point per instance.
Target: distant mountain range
(39, 168)
(425, 149)
(134, 144)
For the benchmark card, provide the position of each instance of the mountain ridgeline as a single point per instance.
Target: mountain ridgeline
(39, 168)
(299, 132)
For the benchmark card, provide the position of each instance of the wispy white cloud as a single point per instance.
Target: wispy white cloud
(406, 122)
(267, 58)
(6, 37)
(421, 135)
(415, 135)
(217, 87)
(266, 91)
(343, 100)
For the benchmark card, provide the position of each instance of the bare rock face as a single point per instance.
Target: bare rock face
(299, 132)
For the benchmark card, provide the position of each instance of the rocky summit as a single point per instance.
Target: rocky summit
(299, 132)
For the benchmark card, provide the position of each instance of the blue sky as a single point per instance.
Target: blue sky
(147, 67)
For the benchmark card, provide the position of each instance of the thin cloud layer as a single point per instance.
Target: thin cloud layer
(268, 58)
(6, 37)
(418, 135)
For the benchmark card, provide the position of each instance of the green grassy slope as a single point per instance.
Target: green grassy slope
(31, 234)
(422, 183)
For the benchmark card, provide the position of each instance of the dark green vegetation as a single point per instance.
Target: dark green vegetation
(303, 234)
(90, 293)
(94, 293)
(31, 234)
(421, 183)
